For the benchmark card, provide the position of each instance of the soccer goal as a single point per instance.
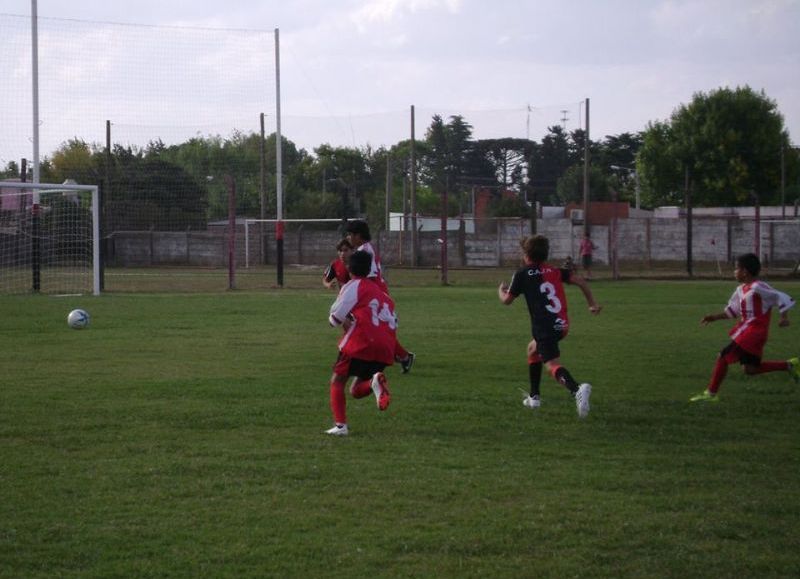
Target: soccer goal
(306, 241)
(49, 238)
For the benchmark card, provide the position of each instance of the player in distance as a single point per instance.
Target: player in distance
(752, 302)
(542, 286)
(368, 345)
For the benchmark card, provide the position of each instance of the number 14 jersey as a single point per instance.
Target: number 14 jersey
(372, 335)
(543, 288)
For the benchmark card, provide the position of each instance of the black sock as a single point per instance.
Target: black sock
(535, 375)
(565, 379)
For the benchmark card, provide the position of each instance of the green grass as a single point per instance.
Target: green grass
(181, 435)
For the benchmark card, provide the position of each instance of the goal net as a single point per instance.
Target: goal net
(49, 238)
(306, 242)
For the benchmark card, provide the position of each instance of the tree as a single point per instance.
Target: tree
(728, 140)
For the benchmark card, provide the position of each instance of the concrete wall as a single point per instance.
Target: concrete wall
(645, 240)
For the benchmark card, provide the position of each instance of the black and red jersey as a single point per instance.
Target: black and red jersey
(543, 287)
(337, 270)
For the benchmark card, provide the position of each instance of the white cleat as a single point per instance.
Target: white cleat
(531, 402)
(338, 430)
(582, 399)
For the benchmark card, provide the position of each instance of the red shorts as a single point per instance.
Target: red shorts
(346, 366)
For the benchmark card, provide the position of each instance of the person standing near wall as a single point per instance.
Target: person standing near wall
(586, 249)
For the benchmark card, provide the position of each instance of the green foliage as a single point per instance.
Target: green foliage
(729, 141)
(127, 454)
(570, 186)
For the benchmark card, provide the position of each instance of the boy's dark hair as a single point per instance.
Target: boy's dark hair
(537, 248)
(359, 227)
(342, 244)
(360, 263)
(749, 262)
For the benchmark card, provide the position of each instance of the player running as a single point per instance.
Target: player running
(752, 302)
(360, 238)
(368, 345)
(542, 286)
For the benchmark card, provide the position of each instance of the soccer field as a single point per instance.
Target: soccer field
(182, 435)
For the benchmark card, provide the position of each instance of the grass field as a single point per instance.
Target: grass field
(181, 435)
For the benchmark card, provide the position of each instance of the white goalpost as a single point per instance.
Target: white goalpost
(49, 238)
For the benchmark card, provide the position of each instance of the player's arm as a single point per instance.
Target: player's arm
(577, 280)
(707, 319)
(785, 303)
(329, 277)
(344, 304)
(506, 297)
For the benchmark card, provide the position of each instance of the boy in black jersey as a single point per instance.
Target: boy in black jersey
(542, 286)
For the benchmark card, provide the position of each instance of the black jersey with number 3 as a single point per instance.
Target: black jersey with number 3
(543, 288)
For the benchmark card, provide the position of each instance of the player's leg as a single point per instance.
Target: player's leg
(767, 366)
(371, 379)
(727, 356)
(551, 355)
(341, 371)
(533, 400)
(403, 356)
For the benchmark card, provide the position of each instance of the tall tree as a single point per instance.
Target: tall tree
(729, 140)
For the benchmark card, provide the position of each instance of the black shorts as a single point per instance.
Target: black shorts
(586, 260)
(734, 353)
(363, 369)
(547, 346)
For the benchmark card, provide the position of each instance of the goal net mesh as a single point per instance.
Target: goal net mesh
(47, 247)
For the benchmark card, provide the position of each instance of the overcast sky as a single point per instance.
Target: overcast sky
(636, 60)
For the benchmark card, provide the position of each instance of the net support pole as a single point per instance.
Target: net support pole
(278, 160)
(231, 232)
(97, 265)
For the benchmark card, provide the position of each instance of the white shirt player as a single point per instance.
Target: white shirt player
(752, 303)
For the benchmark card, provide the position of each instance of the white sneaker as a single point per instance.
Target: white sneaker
(531, 402)
(582, 399)
(338, 430)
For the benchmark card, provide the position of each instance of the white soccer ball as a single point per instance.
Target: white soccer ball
(78, 319)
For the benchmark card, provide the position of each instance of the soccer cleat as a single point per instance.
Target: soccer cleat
(794, 369)
(582, 399)
(338, 430)
(381, 389)
(531, 402)
(407, 363)
(704, 396)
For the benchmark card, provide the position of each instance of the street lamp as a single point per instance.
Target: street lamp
(635, 174)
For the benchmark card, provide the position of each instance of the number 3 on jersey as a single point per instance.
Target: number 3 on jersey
(554, 305)
(382, 314)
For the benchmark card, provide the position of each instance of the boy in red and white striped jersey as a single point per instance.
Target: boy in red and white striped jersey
(752, 302)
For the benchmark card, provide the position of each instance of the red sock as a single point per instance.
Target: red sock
(718, 375)
(338, 402)
(361, 388)
(771, 366)
(400, 353)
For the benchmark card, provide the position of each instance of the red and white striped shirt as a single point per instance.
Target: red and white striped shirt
(752, 303)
